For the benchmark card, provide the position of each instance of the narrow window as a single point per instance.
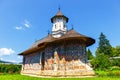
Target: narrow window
(43, 60)
(55, 26)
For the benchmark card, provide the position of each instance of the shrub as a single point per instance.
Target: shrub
(115, 68)
(10, 68)
(101, 62)
(109, 73)
(116, 62)
(114, 73)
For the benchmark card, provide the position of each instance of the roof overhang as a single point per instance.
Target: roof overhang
(57, 16)
(87, 41)
(31, 50)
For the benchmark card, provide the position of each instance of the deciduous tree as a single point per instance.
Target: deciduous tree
(101, 62)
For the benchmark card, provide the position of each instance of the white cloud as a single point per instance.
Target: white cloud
(19, 57)
(1, 58)
(19, 27)
(6, 51)
(26, 23)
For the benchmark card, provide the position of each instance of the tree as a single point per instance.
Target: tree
(89, 54)
(101, 62)
(116, 51)
(104, 46)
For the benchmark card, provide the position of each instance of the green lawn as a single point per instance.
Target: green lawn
(101, 75)
(22, 77)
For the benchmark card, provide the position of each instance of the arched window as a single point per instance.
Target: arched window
(64, 26)
(55, 26)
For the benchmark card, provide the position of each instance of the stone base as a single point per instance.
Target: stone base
(59, 73)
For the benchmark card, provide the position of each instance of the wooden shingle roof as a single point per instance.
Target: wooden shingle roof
(59, 14)
(71, 34)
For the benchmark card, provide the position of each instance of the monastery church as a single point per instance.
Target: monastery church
(61, 53)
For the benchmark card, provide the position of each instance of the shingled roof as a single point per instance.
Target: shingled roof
(71, 34)
(59, 14)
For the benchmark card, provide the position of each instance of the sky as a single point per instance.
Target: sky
(22, 22)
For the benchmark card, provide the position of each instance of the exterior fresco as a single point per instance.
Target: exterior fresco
(32, 62)
(68, 57)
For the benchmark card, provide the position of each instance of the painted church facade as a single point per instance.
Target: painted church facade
(61, 53)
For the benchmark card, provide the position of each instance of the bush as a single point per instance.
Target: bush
(114, 73)
(101, 62)
(10, 68)
(116, 62)
(115, 68)
(109, 73)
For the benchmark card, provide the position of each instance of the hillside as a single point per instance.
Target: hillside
(6, 62)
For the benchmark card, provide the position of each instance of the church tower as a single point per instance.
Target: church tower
(59, 27)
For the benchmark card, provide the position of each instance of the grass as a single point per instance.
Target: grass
(101, 75)
(22, 77)
(113, 73)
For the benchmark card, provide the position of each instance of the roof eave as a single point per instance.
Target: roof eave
(90, 41)
(42, 45)
(56, 16)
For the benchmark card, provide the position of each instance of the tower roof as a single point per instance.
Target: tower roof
(59, 14)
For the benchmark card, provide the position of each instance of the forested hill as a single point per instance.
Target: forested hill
(6, 62)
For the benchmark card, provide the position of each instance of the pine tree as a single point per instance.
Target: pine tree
(89, 54)
(104, 46)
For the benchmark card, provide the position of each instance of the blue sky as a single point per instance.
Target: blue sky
(22, 22)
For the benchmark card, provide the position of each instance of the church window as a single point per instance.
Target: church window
(64, 26)
(55, 26)
(60, 26)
